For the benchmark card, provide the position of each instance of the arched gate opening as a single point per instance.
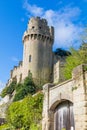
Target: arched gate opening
(64, 117)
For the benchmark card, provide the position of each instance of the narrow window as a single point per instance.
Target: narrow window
(20, 77)
(39, 27)
(29, 58)
(32, 27)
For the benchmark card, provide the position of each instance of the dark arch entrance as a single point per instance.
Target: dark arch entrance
(64, 117)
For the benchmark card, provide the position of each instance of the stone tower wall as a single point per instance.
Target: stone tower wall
(37, 54)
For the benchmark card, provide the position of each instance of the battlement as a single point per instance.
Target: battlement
(38, 29)
(17, 70)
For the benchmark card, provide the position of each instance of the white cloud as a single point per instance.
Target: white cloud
(33, 9)
(14, 59)
(2, 85)
(67, 33)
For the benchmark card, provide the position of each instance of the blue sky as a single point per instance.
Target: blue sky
(68, 18)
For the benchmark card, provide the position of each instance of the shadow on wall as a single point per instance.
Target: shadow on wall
(2, 121)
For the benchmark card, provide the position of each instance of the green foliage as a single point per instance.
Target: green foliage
(26, 114)
(29, 85)
(11, 87)
(4, 92)
(74, 88)
(6, 127)
(14, 115)
(35, 126)
(22, 90)
(61, 52)
(20, 94)
(8, 89)
(18, 86)
(78, 57)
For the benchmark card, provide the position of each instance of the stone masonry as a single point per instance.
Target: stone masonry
(38, 57)
(73, 90)
(37, 53)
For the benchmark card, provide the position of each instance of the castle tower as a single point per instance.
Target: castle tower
(37, 55)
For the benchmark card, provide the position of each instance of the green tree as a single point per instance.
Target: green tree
(15, 115)
(76, 58)
(20, 94)
(18, 86)
(29, 85)
(26, 114)
(61, 52)
(23, 89)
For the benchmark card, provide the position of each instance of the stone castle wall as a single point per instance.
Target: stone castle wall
(37, 54)
(75, 91)
(38, 57)
(16, 73)
(58, 69)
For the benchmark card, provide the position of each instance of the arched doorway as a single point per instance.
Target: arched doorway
(64, 117)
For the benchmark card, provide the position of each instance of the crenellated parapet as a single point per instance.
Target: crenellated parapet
(39, 29)
(38, 37)
(16, 72)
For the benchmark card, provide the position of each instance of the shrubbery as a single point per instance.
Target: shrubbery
(26, 114)
(5, 127)
(23, 89)
(76, 58)
(8, 89)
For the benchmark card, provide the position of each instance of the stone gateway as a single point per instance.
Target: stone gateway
(65, 105)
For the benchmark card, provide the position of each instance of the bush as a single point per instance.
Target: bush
(35, 127)
(27, 113)
(11, 88)
(20, 94)
(5, 127)
(4, 92)
(8, 89)
(29, 85)
(61, 52)
(76, 58)
(18, 86)
(22, 90)
(14, 115)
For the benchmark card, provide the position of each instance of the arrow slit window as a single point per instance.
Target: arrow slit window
(29, 58)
